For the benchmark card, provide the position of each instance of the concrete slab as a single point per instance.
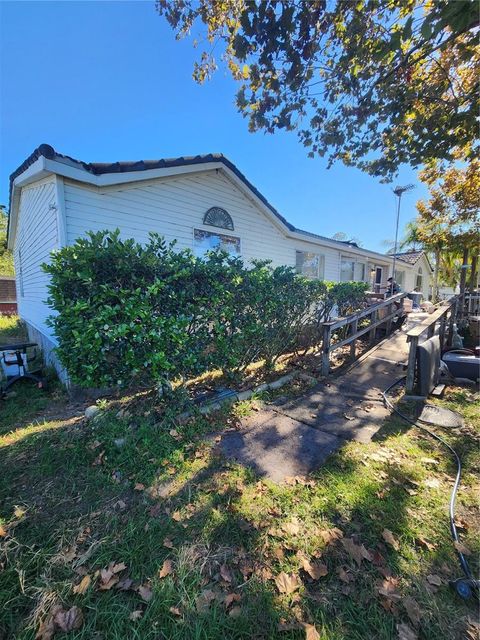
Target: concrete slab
(292, 437)
(345, 417)
(280, 447)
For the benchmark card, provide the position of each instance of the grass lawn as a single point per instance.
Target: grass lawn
(130, 526)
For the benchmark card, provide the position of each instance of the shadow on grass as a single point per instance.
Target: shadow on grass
(76, 485)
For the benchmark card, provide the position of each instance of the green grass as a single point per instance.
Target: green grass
(88, 502)
(11, 327)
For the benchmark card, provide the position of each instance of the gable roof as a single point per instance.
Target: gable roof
(412, 257)
(101, 168)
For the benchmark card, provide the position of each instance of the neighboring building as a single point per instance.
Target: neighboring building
(201, 202)
(8, 296)
(417, 276)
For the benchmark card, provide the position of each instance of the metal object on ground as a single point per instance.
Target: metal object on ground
(462, 365)
(18, 355)
(428, 354)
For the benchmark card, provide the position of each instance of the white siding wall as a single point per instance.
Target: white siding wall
(411, 276)
(37, 236)
(175, 206)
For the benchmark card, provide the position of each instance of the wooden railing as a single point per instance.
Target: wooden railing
(353, 332)
(472, 304)
(444, 315)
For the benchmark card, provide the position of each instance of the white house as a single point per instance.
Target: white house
(199, 201)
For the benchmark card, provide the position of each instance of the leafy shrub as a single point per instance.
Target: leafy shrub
(131, 314)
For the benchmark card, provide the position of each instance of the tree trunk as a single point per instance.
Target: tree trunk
(463, 282)
(435, 276)
(473, 274)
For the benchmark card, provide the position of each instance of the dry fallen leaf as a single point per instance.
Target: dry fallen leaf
(46, 629)
(287, 583)
(292, 527)
(388, 588)
(230, 598)
(139, 486)
(425, 543)
(225, 573)
(19, 512)
(432, 483)
(167, 568)
(177, 516)
(145, 592)
(176, 611)
(125, 584)
(204, 599)
(83, 585)
(405, 632)
(3, 531)
(461, 548)
(390, 539)
(314, 569)
(116, 568)
(330, 535)
(345, 575)
(235, 612)
(413, 610)
(435, 580)
(68, 620)
(136, 615)
(357, 551)
(168, 543)
(310, 632)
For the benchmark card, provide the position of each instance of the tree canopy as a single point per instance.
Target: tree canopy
(448, 222)
(6, 258)
(371, 83)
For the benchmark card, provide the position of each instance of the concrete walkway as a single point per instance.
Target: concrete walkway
(294, 437)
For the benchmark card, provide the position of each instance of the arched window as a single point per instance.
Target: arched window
(218, 217)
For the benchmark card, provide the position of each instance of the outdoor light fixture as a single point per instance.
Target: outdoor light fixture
(398, 191)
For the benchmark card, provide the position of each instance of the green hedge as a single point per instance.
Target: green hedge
(131, 314)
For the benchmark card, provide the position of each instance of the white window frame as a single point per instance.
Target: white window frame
(320, 264)
(214, 233)
(355, 264)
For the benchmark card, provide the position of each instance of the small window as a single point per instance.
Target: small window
(350, 270)
(310, 265)
(204, 241)
(359, 272)
(218, 217)
(346, 270)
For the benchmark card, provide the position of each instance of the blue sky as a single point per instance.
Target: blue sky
(107, 81)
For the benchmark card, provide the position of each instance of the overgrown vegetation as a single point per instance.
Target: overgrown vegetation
(6, 257)
(131, 314)
(130, 526)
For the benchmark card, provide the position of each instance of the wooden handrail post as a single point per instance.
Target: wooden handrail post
(431, 330)
(453, 313)
(412, 361)
(372, 333)
(353, 344)
(327, 336)
(388, 326)
(441, 331)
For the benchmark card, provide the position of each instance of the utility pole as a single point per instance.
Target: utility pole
(398, 191)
